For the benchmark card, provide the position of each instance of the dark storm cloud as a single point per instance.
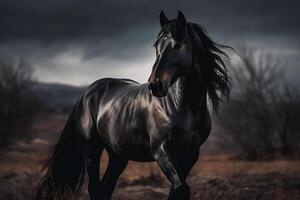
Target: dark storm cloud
(52, 21)
(43, 30)
(56, 21)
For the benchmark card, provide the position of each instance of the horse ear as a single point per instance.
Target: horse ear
(181, 26)
(163, 19)
(181, 21)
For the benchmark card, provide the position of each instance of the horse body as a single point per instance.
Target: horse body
(130, 121)
(165, 120)
(121, 118)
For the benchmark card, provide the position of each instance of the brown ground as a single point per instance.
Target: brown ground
(214, 177)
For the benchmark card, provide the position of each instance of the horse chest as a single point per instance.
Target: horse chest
(190, 132)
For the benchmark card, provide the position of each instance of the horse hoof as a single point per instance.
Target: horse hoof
(180, 193)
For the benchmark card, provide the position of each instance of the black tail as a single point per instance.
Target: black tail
(64, 171)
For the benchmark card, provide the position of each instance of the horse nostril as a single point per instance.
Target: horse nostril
(159, 84)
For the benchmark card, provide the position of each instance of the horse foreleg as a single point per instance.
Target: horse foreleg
(115, 167)
(186, 161)
(168, 163)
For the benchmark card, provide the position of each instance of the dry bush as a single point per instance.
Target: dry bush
(262, 114)
(17, 102)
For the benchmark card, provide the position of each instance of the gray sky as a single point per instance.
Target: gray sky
(77, 42)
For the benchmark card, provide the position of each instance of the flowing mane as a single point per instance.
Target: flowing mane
(210, 58)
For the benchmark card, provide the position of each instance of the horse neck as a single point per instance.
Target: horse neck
(189, 92)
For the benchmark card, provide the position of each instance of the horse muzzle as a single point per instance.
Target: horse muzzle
(158, 88)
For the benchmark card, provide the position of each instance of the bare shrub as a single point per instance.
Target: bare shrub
(262, 114)
(17, 102)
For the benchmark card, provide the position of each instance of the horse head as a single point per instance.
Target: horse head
(173, 54)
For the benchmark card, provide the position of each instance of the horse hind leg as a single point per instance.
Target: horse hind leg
(115, 167)
(93, 153)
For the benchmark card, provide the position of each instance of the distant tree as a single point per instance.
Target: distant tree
(262, 114)
(286, 114)
(17, 102)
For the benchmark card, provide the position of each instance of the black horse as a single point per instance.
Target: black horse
(165, 120)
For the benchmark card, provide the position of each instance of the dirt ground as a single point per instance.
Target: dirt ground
(213, 177)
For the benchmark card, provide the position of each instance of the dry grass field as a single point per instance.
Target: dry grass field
(213, 177)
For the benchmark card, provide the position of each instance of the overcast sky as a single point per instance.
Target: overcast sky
(77, 42)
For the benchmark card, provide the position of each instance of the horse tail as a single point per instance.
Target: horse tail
(64, 170)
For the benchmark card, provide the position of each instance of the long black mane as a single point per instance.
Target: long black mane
(217, 79)
(210, 58)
